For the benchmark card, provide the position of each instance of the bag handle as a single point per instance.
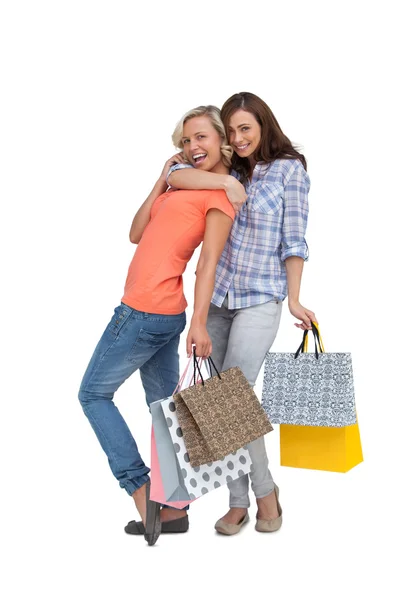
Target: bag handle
(317, 341)
(319, 333)
(193, 381)
(185, 376)
(211, 365)
(320, 339)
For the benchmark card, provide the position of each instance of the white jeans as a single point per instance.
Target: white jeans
(241, 338)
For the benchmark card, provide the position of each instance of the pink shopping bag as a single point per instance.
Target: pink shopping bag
(156, 489)
(157, 492)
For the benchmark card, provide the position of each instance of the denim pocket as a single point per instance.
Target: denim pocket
(149, 341)
(154, 338)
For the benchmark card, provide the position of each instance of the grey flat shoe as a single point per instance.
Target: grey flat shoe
(153, 524)
(231, 529)
(271, 525)
(180, 525)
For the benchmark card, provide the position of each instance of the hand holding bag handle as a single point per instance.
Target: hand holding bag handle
(317, 341)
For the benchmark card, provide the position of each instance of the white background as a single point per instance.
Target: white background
(91, 92)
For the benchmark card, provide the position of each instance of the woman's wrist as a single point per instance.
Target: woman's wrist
(292, 301)
(198, 320)
(227, 182)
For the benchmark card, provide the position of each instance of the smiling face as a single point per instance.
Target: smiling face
(202, 145)
(244, 133)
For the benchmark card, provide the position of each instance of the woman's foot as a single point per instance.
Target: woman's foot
(234, 516)
(269, 515)
(171, 514)
(233, 521)
(166, 513)
(175, 521)
(179, 525)
(268, 507)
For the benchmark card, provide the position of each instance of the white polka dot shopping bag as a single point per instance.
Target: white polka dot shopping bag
(204, 478)
(174, 480)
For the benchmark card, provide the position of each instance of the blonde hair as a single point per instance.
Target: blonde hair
(213, 113)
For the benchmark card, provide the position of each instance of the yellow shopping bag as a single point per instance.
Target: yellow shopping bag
(321, 448)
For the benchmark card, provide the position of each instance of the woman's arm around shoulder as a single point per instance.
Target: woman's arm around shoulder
(196, 179)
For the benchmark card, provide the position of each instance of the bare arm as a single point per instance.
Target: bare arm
(218, 226)
(196, 179)
(294, 269)
(142, 217)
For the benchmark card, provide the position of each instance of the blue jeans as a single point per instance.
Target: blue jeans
(132, 340)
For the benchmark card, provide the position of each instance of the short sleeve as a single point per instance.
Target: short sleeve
(177, 167)
(218, 199)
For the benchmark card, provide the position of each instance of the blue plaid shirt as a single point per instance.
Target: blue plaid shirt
(269, 228)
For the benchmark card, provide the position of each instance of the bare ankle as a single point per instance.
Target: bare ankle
(170, 514)
(267, 507)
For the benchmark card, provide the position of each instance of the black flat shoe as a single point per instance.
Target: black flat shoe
(180, 525)
(153, 524)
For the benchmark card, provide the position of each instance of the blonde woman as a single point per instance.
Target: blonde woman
(144, 332)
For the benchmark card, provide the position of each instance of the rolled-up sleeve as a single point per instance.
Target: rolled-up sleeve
(295, 201)
(177, 167)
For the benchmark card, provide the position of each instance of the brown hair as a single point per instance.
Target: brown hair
(273, 144)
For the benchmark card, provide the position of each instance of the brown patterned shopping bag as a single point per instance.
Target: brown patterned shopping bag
(219, 415)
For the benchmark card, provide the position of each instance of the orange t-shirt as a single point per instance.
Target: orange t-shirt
(177, 224)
